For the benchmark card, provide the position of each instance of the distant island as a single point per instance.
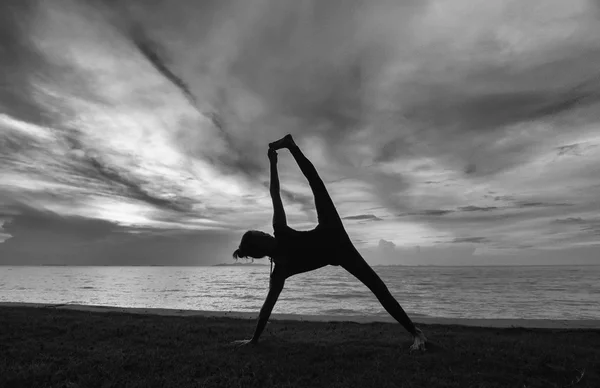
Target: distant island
(240, 265)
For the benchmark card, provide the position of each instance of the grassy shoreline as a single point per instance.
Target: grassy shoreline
(45, 347)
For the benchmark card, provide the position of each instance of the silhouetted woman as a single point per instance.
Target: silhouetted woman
(295, 252)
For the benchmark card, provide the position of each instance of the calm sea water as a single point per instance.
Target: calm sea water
(454, 292)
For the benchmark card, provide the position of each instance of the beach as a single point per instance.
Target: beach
(495, 323)
(101, 346)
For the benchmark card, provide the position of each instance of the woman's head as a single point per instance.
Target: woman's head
(255, 244)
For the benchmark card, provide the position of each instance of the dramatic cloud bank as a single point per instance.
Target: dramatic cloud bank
(447, 132)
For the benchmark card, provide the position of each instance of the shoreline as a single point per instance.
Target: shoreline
(489, 323)
(266, 265)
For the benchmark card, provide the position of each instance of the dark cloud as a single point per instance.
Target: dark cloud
(504, 198)
(497, 110)
(24, 67)
(586, 225)
(363, 217)
(150, 50)
(593, 228)
(134, 187)
(475, 240)
(19, 61)
(29, 219)
(577, 149)
(568, 149)
(402, 145)
(477, 208)
(39, 236)
(518, 210)
(42, 237)
(570, 220)
(484, 214)
(539, 204)
(301, 83)
(428, 213)
(483, 131)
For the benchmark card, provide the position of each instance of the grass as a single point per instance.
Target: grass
(44, 347)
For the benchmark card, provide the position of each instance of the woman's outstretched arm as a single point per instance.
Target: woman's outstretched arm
(275, 286)
(278, 211)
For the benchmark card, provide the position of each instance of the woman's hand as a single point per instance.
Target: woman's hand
(272, 155)
(240, 343)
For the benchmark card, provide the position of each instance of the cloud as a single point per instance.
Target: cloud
(428, 213)
(306, 202)
(79, 228)
(386, 245)
(156, 116)
(540, 204)
(385, 248)
(477, 208)
(476, 240)
(43, 237)
(363, 217)
(133, 189)
(18, 60)
(3, 236)
(588, 225)
(570, 220)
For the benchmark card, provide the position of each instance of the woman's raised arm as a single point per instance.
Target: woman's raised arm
(278, 211)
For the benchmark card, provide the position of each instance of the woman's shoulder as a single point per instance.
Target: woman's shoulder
(279, 228)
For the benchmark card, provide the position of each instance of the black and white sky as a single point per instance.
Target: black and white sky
(447, 131)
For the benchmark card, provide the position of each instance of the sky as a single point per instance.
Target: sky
(452, 132)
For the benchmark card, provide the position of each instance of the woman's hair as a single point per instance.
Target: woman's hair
(250, 245)
(238, 253)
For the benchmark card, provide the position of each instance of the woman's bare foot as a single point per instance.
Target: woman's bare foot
(420, 340)
(285, 142)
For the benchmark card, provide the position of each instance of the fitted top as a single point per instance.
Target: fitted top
(311, 248)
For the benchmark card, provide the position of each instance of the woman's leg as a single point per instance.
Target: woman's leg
(358, 267)
(326, 211)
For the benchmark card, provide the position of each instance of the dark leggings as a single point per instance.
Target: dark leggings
(357, 266)
(327, 214)
(349, 258)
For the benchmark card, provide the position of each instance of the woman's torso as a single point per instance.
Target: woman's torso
(301, 251)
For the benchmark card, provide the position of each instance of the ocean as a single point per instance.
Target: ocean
(519, 292)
